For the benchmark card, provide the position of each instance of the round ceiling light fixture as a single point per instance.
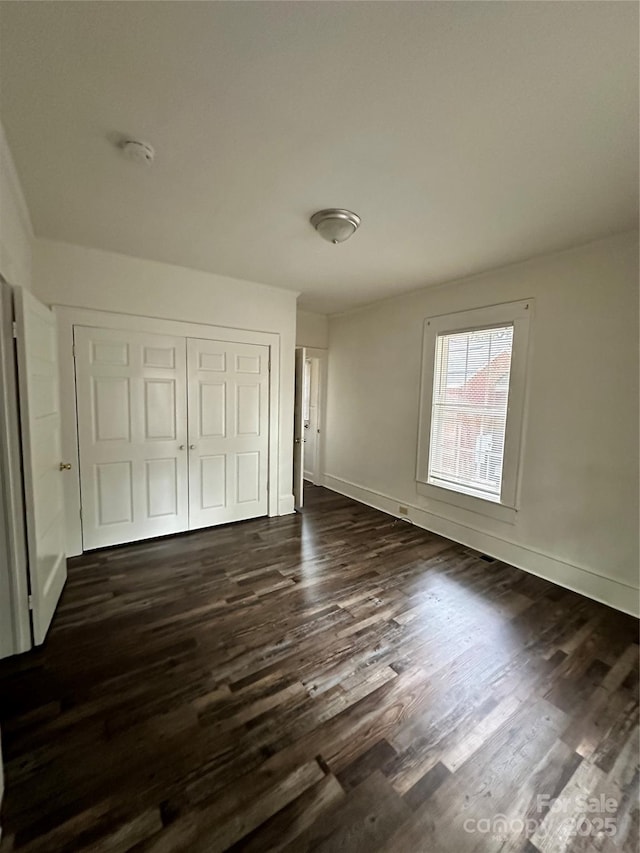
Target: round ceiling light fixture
(335, 224)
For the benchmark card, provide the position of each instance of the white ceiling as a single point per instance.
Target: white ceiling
(467, 135)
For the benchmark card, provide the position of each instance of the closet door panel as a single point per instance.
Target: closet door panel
(228, 431)
(132, 430)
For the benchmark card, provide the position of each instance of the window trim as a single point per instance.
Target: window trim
(519, 314)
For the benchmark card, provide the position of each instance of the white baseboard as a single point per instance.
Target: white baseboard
(286, 505)
(606, 590)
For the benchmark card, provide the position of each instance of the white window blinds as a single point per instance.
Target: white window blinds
(469, 410)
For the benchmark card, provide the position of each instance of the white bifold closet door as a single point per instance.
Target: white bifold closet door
(173, 433)
(228, 431)
(132, 430)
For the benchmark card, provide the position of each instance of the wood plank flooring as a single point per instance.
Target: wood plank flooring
(332, 681)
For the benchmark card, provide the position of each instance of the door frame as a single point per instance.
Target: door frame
(70, 317)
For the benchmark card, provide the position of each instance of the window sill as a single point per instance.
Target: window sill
(470, 503)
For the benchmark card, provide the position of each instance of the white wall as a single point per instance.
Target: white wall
(578, 519)
(65, 274)
(16, 233)
(312, 330)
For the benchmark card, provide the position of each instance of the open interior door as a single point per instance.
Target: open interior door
(298, 432)
(43, 468)
(15, 618)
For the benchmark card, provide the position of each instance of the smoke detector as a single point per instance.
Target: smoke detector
(139, 152)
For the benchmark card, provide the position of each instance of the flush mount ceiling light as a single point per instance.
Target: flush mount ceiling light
(335, 224)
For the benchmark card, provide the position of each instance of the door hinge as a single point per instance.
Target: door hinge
(73, 350)
(14, 329)
(30, 601)
(80, 511)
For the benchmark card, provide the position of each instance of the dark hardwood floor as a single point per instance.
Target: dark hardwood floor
(336, 681)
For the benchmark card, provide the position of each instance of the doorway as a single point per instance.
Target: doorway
(309, 395)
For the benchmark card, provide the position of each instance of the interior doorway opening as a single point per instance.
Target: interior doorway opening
(309, 396)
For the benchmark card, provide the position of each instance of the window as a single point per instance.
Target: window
(469, 410)
(473, 393)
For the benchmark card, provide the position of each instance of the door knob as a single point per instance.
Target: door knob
(65, 466)
(181, 447)
(192, 447)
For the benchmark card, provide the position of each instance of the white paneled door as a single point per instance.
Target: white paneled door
(132, 431)
(228, 431)
(43, 468)
(311, 418)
